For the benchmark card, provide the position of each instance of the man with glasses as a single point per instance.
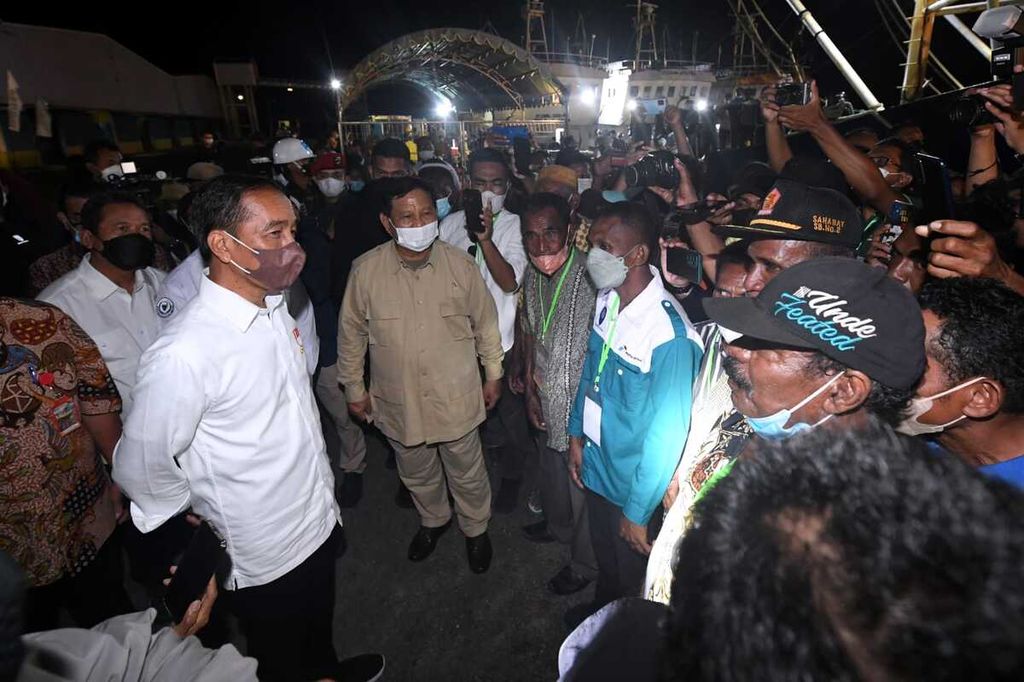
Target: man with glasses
(501, 258)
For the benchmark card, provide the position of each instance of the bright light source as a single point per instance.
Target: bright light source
(444, 108)
(335, 84)
(291, 89)
(718, 127)
(588, 96)
(241, 98)
(631, 105)
(702, 105)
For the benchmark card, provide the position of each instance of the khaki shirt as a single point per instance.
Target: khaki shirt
(425, 329)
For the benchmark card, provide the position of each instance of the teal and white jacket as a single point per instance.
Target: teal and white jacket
(634, 418)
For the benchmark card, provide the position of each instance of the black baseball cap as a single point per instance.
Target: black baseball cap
(795, 211)
(755, 178)
(853, 313)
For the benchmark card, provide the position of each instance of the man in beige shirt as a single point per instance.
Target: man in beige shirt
(422, 308)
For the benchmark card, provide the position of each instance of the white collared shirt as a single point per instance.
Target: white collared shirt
(225, 422)
(123, 325)
(509, 241)
(182, 285)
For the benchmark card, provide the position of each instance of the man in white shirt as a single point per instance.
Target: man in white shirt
(111, 293)
(181, 285)
(226, 423)
(501, 257)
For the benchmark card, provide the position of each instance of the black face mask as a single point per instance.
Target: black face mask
(130, 251)
(743, 216)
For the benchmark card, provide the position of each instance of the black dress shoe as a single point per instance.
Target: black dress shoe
(538, 532)
(351, 490)
(479, 553)
(403, 498)
(425, 540)
(567, 581)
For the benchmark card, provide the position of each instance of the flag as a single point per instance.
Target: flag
(43, 123)
(13, 104)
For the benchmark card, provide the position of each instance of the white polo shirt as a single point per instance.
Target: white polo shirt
(509, 242)
(122, 324)
(225, 422)
(182, 285)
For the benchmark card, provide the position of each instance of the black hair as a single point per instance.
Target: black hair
(887, 403)
(390, 148)
(83, 188)
(218, 204)
(733, 254)
(635, 217)
(91, 153)
(982, 333)
(847, 555)
(541, 201)
(389, 189)
(92, 212)
(488, 155)
(436, 175)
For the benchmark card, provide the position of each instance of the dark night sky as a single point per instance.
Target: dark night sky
(287, 39)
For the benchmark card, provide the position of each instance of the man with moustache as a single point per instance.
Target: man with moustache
(557, 315)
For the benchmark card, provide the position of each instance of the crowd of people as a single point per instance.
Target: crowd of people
(777, 421)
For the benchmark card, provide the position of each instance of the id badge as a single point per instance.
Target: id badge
(64, 415)
(592, 415)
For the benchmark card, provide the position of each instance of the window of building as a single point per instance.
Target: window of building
(659, 91)
(693, 90)
(704, 91)
(647, 91)
(671, 91)
(634, 91)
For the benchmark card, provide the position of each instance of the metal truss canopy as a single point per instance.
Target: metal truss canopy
(473, 69)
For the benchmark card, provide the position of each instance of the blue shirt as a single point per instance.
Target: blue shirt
(645, 393)
(1011, 471)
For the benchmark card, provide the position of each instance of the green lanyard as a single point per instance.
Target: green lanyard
(613, 316)
(554, 299)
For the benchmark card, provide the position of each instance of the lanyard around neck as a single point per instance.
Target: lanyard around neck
(613, 318)
(554, 299)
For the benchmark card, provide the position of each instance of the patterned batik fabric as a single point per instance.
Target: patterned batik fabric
(55, 497)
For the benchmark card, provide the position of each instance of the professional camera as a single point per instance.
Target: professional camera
(656, 169)
(970, 111)
(793, 94)
(1005, 26)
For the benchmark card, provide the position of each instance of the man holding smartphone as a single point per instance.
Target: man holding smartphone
(231, 430)
(492, 238)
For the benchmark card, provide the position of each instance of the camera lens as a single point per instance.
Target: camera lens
(969, 111)
(656, 169)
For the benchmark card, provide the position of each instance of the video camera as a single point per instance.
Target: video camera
(143, 186)
(656, 169)
(1005, 25)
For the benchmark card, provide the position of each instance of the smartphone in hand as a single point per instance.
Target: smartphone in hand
(473, 203)
(206, 554)
(685, 263)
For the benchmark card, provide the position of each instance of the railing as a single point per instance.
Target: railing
(592, 61)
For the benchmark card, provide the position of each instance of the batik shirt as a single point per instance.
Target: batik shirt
(54, 489)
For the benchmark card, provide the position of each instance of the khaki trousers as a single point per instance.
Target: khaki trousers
(352, 458)
(420, 468)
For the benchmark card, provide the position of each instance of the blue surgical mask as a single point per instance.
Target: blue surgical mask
(444, 207)
(356, 185)
(773, 427)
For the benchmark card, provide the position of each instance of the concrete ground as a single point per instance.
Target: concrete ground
(436, 620)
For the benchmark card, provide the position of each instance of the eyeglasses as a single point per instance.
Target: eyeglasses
(883, 161)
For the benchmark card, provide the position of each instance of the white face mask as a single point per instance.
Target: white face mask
(497, 201)
(112, 172)
(331, 187)
(583, 184)
(416, 239)
(919, 407)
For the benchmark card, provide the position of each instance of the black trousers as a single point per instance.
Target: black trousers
(92, 596)
(620, 570)
(288, 622)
